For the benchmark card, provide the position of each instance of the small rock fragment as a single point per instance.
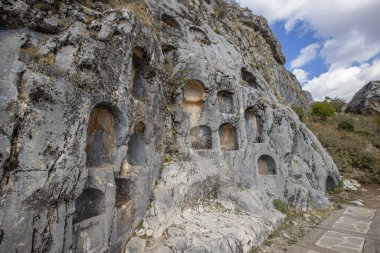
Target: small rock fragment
(356, 203)
(348, 185)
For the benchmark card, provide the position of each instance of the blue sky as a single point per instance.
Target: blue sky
(294, 41)
(332, 46)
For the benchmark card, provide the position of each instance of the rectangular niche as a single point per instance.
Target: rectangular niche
(254, 126)
(228, 137)
(267, 165)
(225, 102)
(89, 204)
(139, 68)
(249, 78)
(122, 191)
(201, 137)
(136, 146)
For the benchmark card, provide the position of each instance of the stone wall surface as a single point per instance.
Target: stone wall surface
(148, 126)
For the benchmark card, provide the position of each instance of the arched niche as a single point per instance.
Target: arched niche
(199, 35)
(201, 137)
(139, 67)
(193, 95)
(89, 204)
(251, 124)
(225, 102)
(136, 146)
(100, 137)
(228, 137)
(170, 21)
(330, 184)
(267, 165)
(249, 78)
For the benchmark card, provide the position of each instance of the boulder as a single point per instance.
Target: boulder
(367, 100)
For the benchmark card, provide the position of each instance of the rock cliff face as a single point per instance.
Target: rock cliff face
(148, 126)
(367, 100)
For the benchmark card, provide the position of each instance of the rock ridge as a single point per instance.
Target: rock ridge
(148, 126)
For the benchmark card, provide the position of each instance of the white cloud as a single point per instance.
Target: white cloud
(306, 55)
(350, 48)
(343, 82)
(350, 28)
(302, 75)
(349, 36)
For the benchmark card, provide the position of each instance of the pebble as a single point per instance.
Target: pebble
(149, 232)
(356, 203)
(140, 232)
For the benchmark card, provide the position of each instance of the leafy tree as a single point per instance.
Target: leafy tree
(338, 103)
(323, 110)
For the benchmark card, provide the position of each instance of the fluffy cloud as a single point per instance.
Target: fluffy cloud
(350, 28)
(349, 48)
(343, 82)
(349, 36)
(306, 55)
(302, 75)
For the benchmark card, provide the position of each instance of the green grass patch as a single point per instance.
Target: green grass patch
(280, 205)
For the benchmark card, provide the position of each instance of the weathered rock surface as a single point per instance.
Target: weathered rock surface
(153, 126)
(367, 100)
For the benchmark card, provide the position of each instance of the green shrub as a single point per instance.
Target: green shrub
(167, 158)
(338, 104)
(280, 205)
(299, 111)
(323, 110)
(344, 125)
(377, 120)
(339, 188)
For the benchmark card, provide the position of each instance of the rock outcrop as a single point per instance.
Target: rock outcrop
(367, 100)
(148, 126)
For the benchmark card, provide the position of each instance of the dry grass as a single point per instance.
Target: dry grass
(138, 7)
(357, 152)
(32, 53)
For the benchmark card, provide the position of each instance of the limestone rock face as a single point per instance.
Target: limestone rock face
(148, 126)
(367, 100)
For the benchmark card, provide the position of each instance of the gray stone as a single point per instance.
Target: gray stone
(357, 203)
(348, 185)
(117, 135)
(50, 25)
(367, 100)
(108, 27)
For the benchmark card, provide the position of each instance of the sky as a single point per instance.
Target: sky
(332, 46)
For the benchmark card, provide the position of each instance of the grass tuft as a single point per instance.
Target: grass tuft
(280, 205)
